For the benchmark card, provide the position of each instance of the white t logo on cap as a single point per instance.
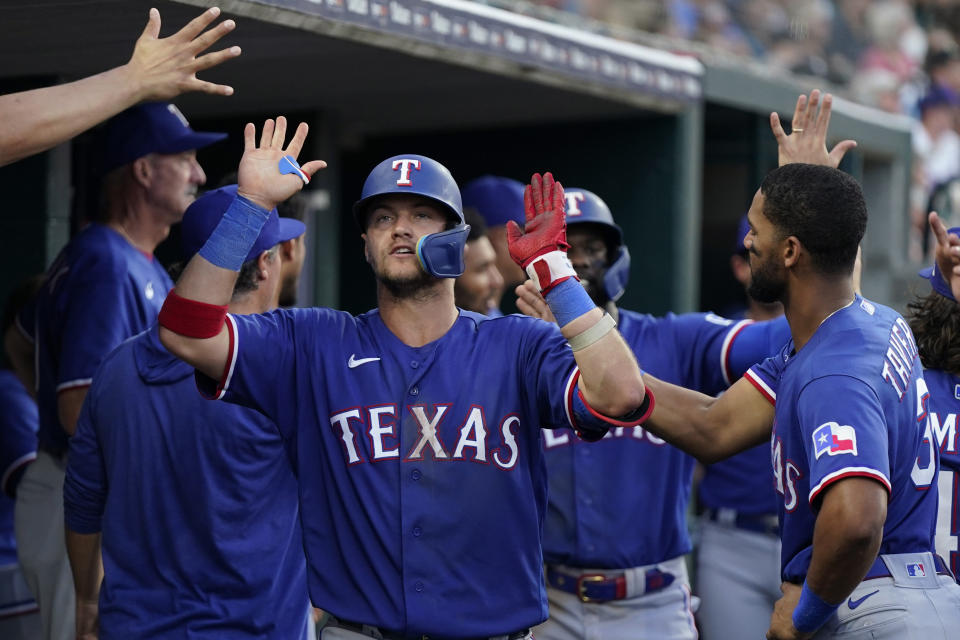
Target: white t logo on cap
(176, 112)
(405, 164)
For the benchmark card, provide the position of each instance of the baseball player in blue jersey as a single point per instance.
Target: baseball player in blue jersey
(738, 552)
(415, 427)
(602, 583)
(845, 409)
(104, 287)
(935, 322)
(19, 614)
(216, 553)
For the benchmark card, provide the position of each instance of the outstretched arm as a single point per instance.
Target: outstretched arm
(807, 141)
(206, 285)
(709, 428)
(610, 379)
(160, 68)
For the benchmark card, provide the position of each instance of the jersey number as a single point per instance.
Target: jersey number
(785, 476)
(948, 486)
(923, 476)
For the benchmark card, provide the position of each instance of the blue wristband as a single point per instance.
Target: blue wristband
(231, 241)
(811, 612)
(568, 301)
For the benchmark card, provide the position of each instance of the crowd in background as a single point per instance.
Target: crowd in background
(900, 56)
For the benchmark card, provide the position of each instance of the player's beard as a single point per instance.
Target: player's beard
(767, 285)
(408, 286)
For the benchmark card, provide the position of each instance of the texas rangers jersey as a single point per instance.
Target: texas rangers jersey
(632, 481)
(944, 406)
(99, 291)
(422, 480)
(18, 448)
(196, 501)
(851, 402)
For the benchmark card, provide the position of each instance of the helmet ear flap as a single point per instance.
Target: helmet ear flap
(615, 280)
(441, 254)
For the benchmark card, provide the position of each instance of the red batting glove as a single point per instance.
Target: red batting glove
(541, 248)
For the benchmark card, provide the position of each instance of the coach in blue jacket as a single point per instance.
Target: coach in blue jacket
(191, 504)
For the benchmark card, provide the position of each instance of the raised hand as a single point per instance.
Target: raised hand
(807, 141)
(546, 224)
(166, 67)
(947, 254)
(259, 178)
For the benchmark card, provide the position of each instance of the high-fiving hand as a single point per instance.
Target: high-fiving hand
(166, 67)
(807, 141)
(259, 178)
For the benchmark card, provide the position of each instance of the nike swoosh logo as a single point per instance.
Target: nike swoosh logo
(853, 604)
(354, 362)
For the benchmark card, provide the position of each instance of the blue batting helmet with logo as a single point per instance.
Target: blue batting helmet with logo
(441, 254)
(586, 207)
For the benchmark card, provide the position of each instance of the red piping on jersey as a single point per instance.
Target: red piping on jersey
(850, 474)
(756, 382)
(222, 385)
(728, 349)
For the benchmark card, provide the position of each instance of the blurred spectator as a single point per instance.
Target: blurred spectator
(891, 26)
(936, 148)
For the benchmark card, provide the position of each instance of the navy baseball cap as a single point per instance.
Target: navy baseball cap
(496, 199)
(150, 127)
(203, 216)
(935, 278)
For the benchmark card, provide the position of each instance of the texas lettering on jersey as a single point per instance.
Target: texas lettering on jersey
(553, 438)
(475, 440)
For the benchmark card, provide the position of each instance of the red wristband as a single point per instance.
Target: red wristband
(192, 318)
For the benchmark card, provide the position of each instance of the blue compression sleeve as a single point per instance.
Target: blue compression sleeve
(568, 301)
(811, 612)
(228, 245)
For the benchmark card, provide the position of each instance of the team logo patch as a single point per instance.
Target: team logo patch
(956, 392)
(405, 165)
(833, 439)
(148, 291)
(916, 570)
(573, 203)
(866, 306)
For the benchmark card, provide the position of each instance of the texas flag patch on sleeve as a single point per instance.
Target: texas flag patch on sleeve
(833, 439)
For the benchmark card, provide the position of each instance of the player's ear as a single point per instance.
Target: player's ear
(791, 251)
(142, 170)
(264, 261)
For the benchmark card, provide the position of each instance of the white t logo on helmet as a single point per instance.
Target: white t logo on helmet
(405, 164)
(574, 198)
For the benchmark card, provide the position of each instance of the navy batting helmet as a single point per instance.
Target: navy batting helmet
(441, 254)
(586, 207)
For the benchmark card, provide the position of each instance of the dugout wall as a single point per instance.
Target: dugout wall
(483, 91)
